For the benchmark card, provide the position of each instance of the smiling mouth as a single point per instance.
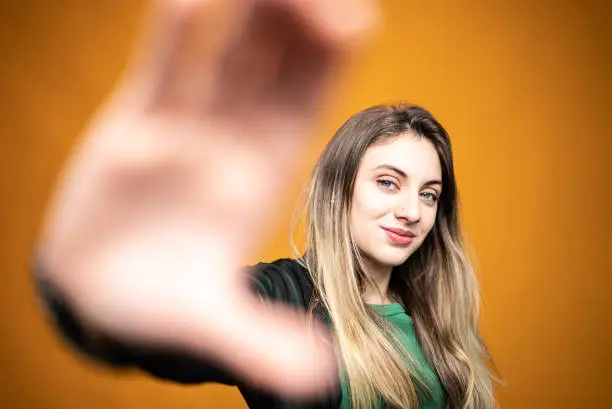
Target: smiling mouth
(398, 236)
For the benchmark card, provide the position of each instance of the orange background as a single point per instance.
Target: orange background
(523, 87)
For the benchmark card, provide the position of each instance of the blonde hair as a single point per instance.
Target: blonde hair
(436, 285)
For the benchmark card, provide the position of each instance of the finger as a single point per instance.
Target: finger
(331, 31)
(174, 59)
(251, 59)
(279, 65)
(336, 23)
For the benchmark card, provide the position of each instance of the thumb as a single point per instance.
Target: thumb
(277, 348)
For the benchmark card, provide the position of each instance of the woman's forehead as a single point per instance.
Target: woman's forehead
(414, 156)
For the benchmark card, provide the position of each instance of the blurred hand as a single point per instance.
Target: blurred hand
(175, 179)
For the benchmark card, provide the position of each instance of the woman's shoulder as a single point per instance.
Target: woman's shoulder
(285, 280)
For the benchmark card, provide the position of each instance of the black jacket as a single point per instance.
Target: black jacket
(283, 280)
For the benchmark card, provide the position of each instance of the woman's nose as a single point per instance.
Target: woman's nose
(409, 210)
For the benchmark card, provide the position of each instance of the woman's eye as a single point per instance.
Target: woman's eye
(387, 184)
(430, 196)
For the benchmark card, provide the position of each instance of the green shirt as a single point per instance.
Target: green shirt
(404, 325)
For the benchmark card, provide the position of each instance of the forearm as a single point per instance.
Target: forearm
(62, 317)
(115, 307)
(173, 364)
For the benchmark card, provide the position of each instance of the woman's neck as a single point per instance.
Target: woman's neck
(378, 291)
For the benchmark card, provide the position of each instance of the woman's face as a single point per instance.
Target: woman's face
(395, 198)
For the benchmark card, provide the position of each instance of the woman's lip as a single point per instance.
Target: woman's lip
(398, 238)
(400, 232)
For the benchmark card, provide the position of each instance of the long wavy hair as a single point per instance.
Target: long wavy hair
(437, 284)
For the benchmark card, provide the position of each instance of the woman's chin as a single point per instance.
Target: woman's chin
(392, 258)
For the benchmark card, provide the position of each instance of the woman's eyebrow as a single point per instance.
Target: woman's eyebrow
(404, 175)
(392, 168)
(433, 182)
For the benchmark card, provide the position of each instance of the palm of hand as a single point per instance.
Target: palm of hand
(176, 178)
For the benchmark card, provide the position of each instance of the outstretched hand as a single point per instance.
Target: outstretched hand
(177, 176)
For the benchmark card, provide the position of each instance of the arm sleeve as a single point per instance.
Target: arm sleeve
(270, 280)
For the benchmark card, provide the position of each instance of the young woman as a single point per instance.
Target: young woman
(172, 188)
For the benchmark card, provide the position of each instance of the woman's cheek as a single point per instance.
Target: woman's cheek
(431, 220)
